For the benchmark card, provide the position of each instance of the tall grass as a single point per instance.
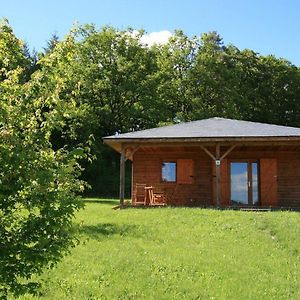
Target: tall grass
(179, 253)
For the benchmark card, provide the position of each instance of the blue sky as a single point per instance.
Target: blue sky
(267, 27)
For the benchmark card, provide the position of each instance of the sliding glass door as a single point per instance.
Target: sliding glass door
(244, 183)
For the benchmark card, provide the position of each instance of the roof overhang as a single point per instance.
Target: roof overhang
(119, 143)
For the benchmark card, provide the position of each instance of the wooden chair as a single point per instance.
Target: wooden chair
(139, 194)
(155, 198)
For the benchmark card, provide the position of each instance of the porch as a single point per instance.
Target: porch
(244, 176)
(214, 162)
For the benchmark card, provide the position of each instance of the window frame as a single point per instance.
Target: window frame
(161, 170)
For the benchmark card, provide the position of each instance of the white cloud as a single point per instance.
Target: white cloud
(160, 37)
(239, 182)
(239, 187)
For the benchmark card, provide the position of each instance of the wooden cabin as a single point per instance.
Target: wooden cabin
(212, 162)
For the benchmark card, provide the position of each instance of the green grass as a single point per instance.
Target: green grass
(179, 253)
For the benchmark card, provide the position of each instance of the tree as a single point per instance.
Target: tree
(175, 61)
(213, 81)
(12, 54)
(116, 79)
(32, 60)
(39, 184)
(275, 98)
(51, 43)
(111, 74)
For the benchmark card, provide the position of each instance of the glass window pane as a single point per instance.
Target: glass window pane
(239, 183)
(254, 183)
(168, 171)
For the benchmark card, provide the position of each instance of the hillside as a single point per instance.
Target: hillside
(179, 253)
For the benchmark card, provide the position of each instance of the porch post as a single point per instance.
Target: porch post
(122, 176)
(218, 173)
(217, 160)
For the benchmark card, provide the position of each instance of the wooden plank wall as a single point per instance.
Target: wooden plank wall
(288, 173)
(268, 181)
(147, 169)
(289, 181)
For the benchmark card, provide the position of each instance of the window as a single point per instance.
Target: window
(180, 171)
(168, 171)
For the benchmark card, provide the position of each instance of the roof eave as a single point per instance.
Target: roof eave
(117, 143)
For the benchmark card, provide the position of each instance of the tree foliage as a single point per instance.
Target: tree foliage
(51, 43)
(126, 86)
(38, 183)
(12, 52)
(237, 84)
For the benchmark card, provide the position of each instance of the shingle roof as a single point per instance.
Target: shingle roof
(211, 128)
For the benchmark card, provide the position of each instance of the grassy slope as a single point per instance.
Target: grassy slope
(178, 253)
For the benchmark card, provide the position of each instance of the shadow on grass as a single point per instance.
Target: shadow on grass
(101, 201)
(100, 231)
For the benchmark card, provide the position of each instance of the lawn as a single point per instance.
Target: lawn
(179, 253)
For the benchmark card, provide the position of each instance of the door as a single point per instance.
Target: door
(244, 183)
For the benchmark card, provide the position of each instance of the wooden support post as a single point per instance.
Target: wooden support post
(218, 173)
(217, 160)
(208, 152)
(132, 187)
(131, 152)
(122, 176)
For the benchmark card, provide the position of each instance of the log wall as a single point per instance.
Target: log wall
(147, 169)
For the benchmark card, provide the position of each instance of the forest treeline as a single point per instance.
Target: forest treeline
(112, 82)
